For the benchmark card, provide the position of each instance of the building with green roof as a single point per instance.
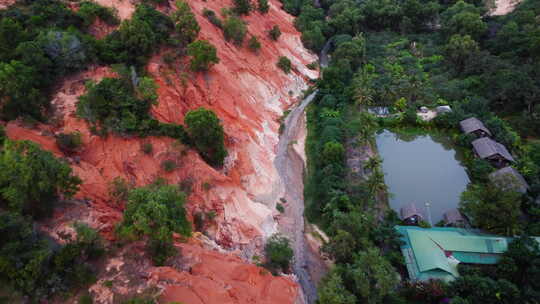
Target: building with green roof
(434, 253)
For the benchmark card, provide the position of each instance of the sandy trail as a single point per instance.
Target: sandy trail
(290, 166)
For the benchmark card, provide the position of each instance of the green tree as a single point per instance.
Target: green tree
(254, 44)
(313, 38)
(492, 208)
(354, 51)
(332, 290)
(19, 96)
(333, 152)
(278, 253)
(463, 19)
(341, 247)
(203, 55)
(477, 289)
(33, 180)
(373, 276)
(242, 7)
(234, 29)
(185, 24)
(155, 211)
(274, 33)
(284, 64)
(206, 131)
(460, 50)
(11, 34)
(263, 6)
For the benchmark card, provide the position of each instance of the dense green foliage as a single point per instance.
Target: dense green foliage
(205, 129)
(203, 55)
(284, 64)
(137, 38)
(31, 183)
(263, 6)
(185, 25)
(404, 55)
(69, 142)
(234, 29)
(33, 180)
(38, 268)
(278, 253)
(155, 212)
(122, 105)
(89, 11)
(274, 33)
(253, 44)
(242, 7)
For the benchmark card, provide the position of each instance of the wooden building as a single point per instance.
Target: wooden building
(496, 153)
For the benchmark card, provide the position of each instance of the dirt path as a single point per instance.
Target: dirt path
(290, 166)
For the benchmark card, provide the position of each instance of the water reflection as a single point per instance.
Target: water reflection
(420, 169)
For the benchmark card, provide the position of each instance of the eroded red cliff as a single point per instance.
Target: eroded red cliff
(248, 93)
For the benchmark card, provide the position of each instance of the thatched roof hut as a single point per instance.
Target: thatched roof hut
(509, 178)
(453, 217)
(409, 213)
(474, 125)
(487, 148)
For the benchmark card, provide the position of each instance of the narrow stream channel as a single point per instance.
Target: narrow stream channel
(290, 167)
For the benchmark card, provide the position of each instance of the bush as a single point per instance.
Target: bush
(278, 254)
(274, 33)
(155, 211)
(203, 55)
(89, 11)
(212, 17)
(185, 24)
(254, 44)
(147, 147)
(204, 127)
(242, 7)
(234, 29)
(69, 142)
(119, 189)
(33, 180)
(168, 165)
(284, 64)
(262, 6)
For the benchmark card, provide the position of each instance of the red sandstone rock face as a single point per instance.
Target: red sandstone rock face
(248, 93)
(221, 278)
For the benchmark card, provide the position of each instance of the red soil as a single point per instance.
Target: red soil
(248, 93)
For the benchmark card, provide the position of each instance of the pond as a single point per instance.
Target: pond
(420, 169)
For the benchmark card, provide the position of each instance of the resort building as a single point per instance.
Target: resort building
(496, 153)
(434, 253)
(475, 126)
(454, 218)
(410, 215)
(508, 178)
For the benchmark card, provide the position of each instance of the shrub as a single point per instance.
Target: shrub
(278, 253)
(242, 7)
(89, 11)
(212, 17)
(136, 39)
(274, 33)
(33, 180)
(147, 147)
(155, 211)
(203, 55)
(204, 127)
(284, 64)
(119, 189)
(254, 44)
(313, 66)
(262, 6)
(185, 24)
(234, 29)
(69, 142)
(280, 208)
(168, 165)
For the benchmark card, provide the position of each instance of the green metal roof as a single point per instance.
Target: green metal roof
(425, 250)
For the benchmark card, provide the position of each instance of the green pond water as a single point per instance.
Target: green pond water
(420, 169)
